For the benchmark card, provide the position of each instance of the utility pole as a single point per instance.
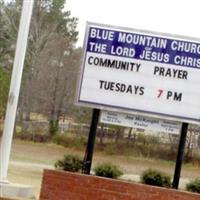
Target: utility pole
(6, 140)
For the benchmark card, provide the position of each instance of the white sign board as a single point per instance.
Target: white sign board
(141, 72)
(146, 123)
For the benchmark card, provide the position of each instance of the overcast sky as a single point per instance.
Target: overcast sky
(168, 16)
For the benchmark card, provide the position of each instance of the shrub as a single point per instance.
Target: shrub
(193, 186)
(107, 170)
(69, 163)
(157, 178)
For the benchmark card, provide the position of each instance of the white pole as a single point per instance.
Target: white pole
(20, 51)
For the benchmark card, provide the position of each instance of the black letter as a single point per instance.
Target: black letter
(141, 91)
(90, 63)
(101, 83)
(177, 97)
(169, 94)
(156, 69)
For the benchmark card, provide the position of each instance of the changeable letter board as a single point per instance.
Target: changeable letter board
(141, 72)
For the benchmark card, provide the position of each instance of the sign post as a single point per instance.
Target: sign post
(180, 155)
(141, 73)
(87, 163)
(6, 140)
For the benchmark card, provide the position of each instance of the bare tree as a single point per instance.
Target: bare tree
(56, 82)
(49, 23)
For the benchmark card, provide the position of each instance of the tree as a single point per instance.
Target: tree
(9, 22)
(57, 90)
(49, 23)
(51, 47)
(4, 88)
(8, 19)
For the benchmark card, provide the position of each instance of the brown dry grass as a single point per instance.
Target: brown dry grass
(49, 153)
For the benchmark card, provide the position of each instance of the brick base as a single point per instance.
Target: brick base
(57, 185)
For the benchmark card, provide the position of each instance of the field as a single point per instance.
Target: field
(29, 159)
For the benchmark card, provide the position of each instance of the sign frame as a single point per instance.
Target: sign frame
(115, 108)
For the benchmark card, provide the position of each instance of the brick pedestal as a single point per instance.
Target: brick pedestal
(59, 185)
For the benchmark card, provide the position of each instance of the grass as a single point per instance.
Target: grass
(38, 152)
(24, 151)
(47, 154)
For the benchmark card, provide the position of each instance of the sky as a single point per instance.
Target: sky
(180, 17)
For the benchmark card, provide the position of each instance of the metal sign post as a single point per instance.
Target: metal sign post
(140, 72)
(87, 163)
(20, 52)
(180, 155)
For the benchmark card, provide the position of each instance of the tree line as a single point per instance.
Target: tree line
(51, 64)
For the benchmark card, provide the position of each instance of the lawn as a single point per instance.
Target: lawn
(28, 160)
